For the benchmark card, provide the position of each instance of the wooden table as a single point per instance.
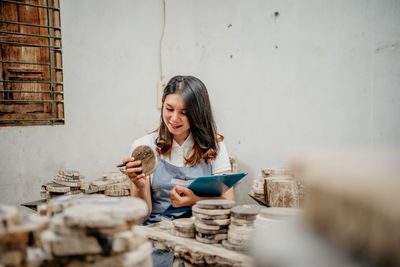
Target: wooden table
(189, 250)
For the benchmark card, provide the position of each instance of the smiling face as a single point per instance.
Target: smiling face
(174, 116)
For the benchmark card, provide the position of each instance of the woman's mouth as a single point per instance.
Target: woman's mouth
(175, 126)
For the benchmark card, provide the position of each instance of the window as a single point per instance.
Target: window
(31, 88)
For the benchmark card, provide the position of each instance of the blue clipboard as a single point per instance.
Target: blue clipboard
(209, 186)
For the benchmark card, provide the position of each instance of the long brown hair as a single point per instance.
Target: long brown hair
(199, 114)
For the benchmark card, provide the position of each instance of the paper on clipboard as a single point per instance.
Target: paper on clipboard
(209, 186)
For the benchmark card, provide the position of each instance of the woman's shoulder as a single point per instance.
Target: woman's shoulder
(221, 162)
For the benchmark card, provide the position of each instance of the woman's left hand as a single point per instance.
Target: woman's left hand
(182, 197)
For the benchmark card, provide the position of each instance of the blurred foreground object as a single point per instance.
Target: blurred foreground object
(79, 230)
(352, 198)
(290, 243)
(95, 230)
(18, 233)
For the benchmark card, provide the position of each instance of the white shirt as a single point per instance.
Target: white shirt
(220, 163)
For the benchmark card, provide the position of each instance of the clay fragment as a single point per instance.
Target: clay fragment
(148, 158)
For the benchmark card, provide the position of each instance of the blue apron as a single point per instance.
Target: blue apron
(161, 185)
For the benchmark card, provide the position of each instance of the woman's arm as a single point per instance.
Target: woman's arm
(183, 197)
(140, 185)
(143, 193)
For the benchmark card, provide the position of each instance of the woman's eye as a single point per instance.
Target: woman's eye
(183, 113)
(170, 109)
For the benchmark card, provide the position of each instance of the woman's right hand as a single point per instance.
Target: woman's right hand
(134, 172)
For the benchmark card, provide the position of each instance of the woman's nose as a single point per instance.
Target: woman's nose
(175, 116)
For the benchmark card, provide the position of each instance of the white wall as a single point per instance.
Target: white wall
(321, 74)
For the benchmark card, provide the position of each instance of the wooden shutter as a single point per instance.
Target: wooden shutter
(31, 89)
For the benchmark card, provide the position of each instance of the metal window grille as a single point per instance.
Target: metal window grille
(31, 87)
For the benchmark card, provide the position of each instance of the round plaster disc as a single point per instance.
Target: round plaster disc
(216, 237)
(246, 212)
(211, 232)
(215, 222)
(241, 230)
(59, 204)
(178, 233)
(215, 204)
(185, 223)
(242, 222)
(210, 217)
(148, 157)
(205, 240)
(211, 212)
(108, 212)
(238, 239)
(228, 245)
(208, 226)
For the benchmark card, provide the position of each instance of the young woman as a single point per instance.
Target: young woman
(188, 146)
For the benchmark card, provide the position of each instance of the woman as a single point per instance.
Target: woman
(187, 145)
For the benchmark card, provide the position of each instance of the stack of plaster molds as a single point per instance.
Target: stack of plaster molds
(212, 218)
(19, 234)
(241, 227)
(183, 227)
(115, 184)
(95, 230)
(257, 188)
(66, 182)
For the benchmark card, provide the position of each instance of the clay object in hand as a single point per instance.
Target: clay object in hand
(148, 158)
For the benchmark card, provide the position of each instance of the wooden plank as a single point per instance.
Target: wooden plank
(25, 116)
(21, 108)
(192, 250)
(9, 13)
